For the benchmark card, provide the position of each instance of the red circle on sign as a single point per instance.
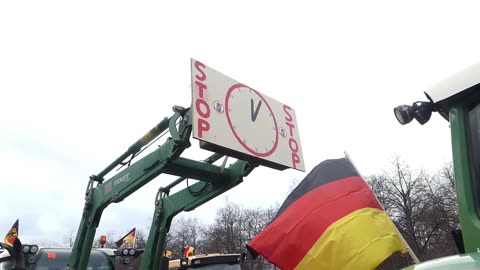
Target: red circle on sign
(237, 136)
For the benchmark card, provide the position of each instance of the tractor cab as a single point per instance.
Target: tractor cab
(457, 99)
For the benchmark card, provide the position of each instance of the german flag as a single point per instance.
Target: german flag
(332, 220)
(128, 240)
(12, 235)
(188, 251)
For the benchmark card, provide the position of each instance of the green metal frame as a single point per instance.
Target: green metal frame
(214, 180)
(469, 218)
(468, 215)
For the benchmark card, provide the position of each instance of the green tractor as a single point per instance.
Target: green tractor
(457, 99)
(135, 168)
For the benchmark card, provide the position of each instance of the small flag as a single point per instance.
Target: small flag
(128, 240)
(188, 251)
(12, 235)
(332, 220)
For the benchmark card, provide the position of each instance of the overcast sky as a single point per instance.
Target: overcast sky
(80, 82)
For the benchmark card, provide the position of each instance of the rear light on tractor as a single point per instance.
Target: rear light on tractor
(30, 252)
(29, 249)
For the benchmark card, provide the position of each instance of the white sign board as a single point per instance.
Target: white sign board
(243, 122)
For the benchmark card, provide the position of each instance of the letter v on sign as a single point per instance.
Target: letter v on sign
(254, 113)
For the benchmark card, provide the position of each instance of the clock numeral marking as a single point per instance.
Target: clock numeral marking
(254, 114)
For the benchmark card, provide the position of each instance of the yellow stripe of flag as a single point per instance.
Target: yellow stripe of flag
(360, 240)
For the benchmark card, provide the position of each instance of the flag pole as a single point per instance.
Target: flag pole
(409, 249)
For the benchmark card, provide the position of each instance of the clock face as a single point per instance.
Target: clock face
(251, 120)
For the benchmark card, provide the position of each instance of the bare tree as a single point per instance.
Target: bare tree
(423, 207)
(235, 226)
(225, 234)
(184, 231)
(69, 238)
(257, 220)
(443, 213)
(140, 238)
